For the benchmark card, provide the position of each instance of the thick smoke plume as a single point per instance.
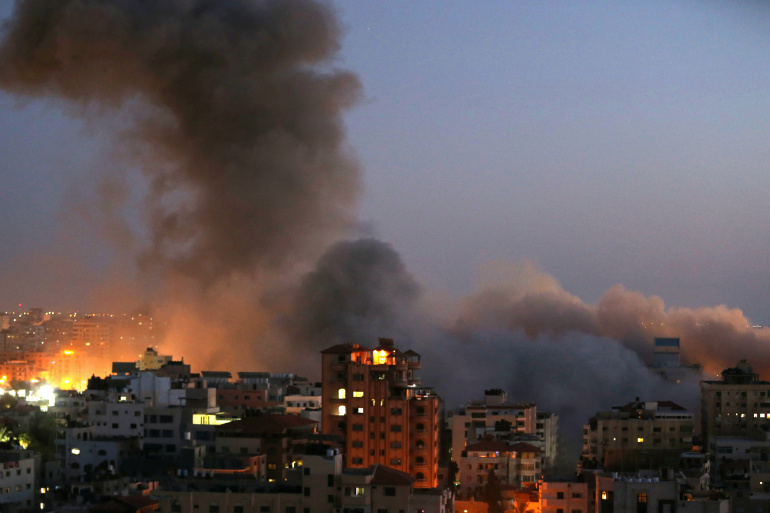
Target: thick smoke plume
(234, 117)
(522, 332)
(233, 112)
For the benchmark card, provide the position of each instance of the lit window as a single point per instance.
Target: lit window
(357, 393)
(359, 491)
(604, 495)
(342, 410)
(360, 410)
(341, 393)
(640, 440)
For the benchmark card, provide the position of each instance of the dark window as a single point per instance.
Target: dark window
(559, 495)
(176, 507)
(389, 491)
(396, 428)
(238, 509)
(307, 492)
(213, 508)
(358, 427)
(395, 445)
(330, 480)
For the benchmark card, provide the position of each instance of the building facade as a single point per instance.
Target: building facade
(373, 398)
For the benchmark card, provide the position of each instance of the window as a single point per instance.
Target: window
(166, 419)
(641, 503)
(330, 480)
(358, 427)
(358, 393)
(358, 444)
(330, 499)
(389, 491)
(264, 509)
(290, 509)
(559, 510)
(214, 508)
(176, 507)
(396, 411)
(238, 509)
(342, 410)
(395, 445)
(559, 495)
(395, 428)
(359, 491)
(395, 461)
(307, 492)
(358, 461)
(306, 471)
(341, 393)
(577, 495)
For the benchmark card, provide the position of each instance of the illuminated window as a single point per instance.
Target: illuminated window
(604, 495)
(359, 491)
(357, 393)
(380, 357)
(342, 410)
(360, 410)
(642, 497)
(341, 393)
(640, 440)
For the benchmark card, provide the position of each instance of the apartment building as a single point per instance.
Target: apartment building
(738, 405)
(374, 399)
(639, 434)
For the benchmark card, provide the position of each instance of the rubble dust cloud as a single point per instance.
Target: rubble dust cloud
(233, 113)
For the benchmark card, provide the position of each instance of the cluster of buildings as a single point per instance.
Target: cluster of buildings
(370, 437)
(65, 349)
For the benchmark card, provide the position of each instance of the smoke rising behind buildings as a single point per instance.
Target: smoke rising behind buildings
(233, 113)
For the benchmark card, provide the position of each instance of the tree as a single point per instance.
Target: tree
(492, 494)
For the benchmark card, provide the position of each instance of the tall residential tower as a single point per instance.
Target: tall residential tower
(373, 398)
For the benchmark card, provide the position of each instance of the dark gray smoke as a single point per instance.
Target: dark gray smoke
(234, 116)
(359, 291)
(522, 332)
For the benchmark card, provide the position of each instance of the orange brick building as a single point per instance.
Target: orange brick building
(373, 398)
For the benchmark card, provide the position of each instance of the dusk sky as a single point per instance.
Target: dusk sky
(606, 142)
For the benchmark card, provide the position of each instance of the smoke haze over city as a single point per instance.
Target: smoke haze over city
(272, 178)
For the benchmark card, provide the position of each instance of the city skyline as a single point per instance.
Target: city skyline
(598, 167)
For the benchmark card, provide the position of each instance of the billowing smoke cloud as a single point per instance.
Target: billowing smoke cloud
(359, 290)
(522, 332)
(232, 111)
(234, 117)
(520, 297)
